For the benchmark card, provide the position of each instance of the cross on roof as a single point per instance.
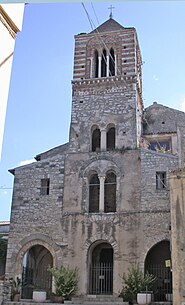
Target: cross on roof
(111, 8)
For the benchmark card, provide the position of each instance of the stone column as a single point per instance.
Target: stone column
(99, 66)
(101, 199)
(103, 146)
(107, 65)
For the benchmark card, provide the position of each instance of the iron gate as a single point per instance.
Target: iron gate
(101, 278)
(27, 283)
(35, 279)
(163, 285)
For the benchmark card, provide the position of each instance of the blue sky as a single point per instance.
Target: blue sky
(39, 104)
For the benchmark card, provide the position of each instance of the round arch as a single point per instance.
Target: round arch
(158, 263)
(100, 267)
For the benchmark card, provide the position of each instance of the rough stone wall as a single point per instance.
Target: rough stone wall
(121, 229)
(181, 144)
(177, 195)
(162, 119)
(34, 215)
(101, 104)
(155, 204)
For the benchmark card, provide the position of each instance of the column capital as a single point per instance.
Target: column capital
(101, 177)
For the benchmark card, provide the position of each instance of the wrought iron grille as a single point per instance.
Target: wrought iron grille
(101, 278)
(162, 289)
(40, 279)
(27, 283)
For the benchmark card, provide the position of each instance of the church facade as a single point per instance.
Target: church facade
(101, 201)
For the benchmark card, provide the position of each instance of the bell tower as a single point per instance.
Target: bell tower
(106, 89)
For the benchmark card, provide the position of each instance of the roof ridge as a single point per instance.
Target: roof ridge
(108, 26)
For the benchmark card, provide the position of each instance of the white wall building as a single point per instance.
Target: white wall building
(11, 17)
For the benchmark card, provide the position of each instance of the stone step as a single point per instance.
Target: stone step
(66, 302)
(77, 301)
(162, 303)
(84, 302)
(98, 299)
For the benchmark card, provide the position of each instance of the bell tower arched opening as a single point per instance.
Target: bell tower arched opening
(94, 193)
(111, 63)
(96, 139)
(104, 64)
(111, 138)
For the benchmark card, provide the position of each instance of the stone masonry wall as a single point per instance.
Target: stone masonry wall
(34, 214)
(102, 104)
(82, 229)
(155, 204)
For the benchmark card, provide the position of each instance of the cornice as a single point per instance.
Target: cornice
(129, 78)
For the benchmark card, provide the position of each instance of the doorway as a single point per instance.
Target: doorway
(157, 262)
(35, 273)
(101, 269)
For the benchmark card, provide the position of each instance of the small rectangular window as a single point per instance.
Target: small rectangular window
(45, 186)
(160, 180)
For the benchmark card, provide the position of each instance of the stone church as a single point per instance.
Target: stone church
(101, 201)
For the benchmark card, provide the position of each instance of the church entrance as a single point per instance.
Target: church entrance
(101, 269)
(35, 273)
(158, 263)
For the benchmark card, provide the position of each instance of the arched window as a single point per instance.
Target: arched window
(94, 191)
(110, 193)
(111, 138)
(104, 64)
(96, 139)
(111, 62)
(96, 63)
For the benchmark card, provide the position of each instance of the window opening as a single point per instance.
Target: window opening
(160, 146)
(111, 138)
(45, 186)
(160, 180)
(96, 63)
(96, 138)
(104, 64)
(110, 193)
(94, 191)
(112, 63)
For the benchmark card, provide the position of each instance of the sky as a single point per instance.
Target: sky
(39, 104)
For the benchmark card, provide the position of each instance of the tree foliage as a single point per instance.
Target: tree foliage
(3, 249)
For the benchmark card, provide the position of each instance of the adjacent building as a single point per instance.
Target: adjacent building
(101, 201)
(4, 230)
(11, 17)
(177, 194)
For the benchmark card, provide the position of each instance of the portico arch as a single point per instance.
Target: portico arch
(35, 274)
(157, 262)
